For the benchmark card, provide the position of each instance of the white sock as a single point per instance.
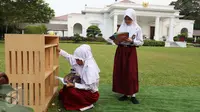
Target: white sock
(133, 95)
(86, 108)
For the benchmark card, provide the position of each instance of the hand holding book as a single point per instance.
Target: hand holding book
(67, 83)
(119, 37)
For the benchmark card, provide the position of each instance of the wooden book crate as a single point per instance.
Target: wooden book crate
(32, 64)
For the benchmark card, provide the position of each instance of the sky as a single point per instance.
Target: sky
(62, 7)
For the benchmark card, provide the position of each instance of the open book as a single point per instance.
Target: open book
(120, 36)
(61, 79)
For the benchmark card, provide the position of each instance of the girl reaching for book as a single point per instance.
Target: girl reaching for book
(125, 73)
(81, 96)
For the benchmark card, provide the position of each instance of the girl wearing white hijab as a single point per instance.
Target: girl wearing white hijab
(125, 73)
(81, 96)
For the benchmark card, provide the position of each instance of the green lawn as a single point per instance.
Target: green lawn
(169, 79)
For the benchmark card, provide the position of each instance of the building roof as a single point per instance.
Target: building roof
(61, 18)
(56, 27)
(196, 32)
(127, 1)
(64, 17)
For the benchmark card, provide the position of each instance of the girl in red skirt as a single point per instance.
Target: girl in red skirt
(125, 75)
(81, 96)
(3, 78)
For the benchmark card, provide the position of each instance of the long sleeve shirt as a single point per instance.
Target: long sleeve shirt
(78, 69)
(138, 40)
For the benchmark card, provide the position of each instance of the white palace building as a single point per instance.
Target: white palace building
(156, 21)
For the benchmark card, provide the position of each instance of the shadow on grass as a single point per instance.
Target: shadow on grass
(152, 99)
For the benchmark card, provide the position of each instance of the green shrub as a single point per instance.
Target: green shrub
(31, 29)
(176, 38)
(154, 43)
(97, 39)
(100, 35)
(181, 37)
(90, 39)
(77, 38)
(198, 41)
(100, 39)
(93, 31)
(189, 40)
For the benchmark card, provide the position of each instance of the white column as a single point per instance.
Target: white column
(171, 30)
(105, 25)
(115, 23)
(23, 31)
(157, 31)
(84, 32)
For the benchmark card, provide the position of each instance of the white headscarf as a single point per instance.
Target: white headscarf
(129, 28)
(90, 72)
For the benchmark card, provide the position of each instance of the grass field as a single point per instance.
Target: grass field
(169, 79)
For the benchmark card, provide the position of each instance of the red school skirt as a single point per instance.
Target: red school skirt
(75, 99)
(125, 73)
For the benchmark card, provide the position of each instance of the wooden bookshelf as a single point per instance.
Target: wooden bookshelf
(32, 64)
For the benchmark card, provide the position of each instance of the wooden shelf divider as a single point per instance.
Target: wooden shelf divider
(50, 45)
(37, 58)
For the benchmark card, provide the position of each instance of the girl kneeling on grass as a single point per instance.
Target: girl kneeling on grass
(3, 78)
(81, 96)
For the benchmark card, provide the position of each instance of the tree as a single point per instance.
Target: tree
(26, 11)
(40, 29)
(77, 38)
(93, 31)
(14, 12)
(190, 9)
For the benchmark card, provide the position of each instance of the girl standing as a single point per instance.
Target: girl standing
(81, 96)
(125, 75)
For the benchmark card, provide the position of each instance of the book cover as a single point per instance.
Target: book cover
(72, 77)
(120, 36)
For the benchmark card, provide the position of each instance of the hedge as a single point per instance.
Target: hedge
(189, 40)
(89, 39)
(154, 43)
(198, 41)
(31, 29)
(196, 45)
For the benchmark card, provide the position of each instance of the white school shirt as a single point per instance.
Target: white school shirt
(92, 87)
(138, 41)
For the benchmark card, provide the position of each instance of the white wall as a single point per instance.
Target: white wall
(85, 20)
(189, 24)
(108, 26)
(165, 31)
(145, 23)
(178, 25)
(95, 19)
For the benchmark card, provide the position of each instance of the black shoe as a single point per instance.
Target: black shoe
(134, 100)
(123, 98)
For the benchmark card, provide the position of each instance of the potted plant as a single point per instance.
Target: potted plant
(182, 37)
